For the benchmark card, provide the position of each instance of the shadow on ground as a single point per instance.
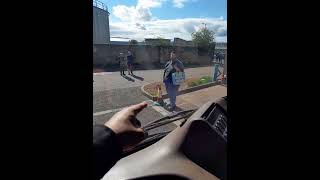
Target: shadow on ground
(176, 109)
(137, 67)
(137, 77)
(128, 78)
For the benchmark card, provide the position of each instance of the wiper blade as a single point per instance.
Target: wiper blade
(168, 119)
(146, 142)
(152, 138)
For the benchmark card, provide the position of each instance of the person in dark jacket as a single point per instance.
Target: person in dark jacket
(116, 135)
(173, 65)
(218, 57)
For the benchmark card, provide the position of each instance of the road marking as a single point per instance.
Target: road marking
(115, 110)
(102, 73)
(118, 109)
(159, 109)
(106, 112)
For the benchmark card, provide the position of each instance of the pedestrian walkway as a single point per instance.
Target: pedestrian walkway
(197, 98)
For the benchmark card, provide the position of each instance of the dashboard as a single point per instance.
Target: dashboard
(206, 140)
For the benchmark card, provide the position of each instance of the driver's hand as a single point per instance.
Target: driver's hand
(122, 124)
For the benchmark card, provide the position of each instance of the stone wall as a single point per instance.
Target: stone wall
(105, 54)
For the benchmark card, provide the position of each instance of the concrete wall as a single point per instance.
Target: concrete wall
(101, 54)
(101, 32)
(105, 54)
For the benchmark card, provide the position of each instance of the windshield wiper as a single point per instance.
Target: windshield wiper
(168, 119)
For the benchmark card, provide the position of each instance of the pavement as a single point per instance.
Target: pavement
(111, 93)
(197, 98)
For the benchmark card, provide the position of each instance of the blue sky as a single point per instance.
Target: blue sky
(139, 19)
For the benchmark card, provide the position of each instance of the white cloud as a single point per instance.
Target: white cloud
(140, 12)
(132, 13)
(221, 39)
(123, 12)
(169, 29)
(150, 3)
(179, 3)
(138, 23)
(140, 26)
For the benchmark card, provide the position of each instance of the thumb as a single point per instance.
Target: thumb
(140, 134)
(139, 130)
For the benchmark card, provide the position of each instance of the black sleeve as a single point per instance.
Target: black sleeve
(106, 150)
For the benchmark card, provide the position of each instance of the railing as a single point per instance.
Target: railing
(100, 5)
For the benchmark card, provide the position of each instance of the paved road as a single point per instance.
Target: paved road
(113, 80)
(107, 103)
(111, 93)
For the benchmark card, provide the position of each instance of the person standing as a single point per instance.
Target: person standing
(223, 58)
(172, 66)
(122, 64)
(130, 62)
(218, 57)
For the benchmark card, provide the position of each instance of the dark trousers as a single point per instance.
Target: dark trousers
(122, 69)
(172, 91)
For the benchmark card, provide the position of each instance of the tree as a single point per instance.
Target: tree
(133, 42)
(204, 39)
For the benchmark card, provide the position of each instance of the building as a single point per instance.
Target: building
(157, 41)
(221, 47)
(101, 31)
(182, 42)
(119, 42)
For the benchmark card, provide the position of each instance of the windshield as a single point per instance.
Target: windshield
(170, 53)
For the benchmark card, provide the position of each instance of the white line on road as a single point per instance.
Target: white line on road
(115, 110)
(159, 109)
(106, 112)
(102, 73)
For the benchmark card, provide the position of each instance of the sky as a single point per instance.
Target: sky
(140, 19)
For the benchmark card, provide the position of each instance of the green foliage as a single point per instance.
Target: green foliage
(133, 42)
(200, 81)
(204, 39)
